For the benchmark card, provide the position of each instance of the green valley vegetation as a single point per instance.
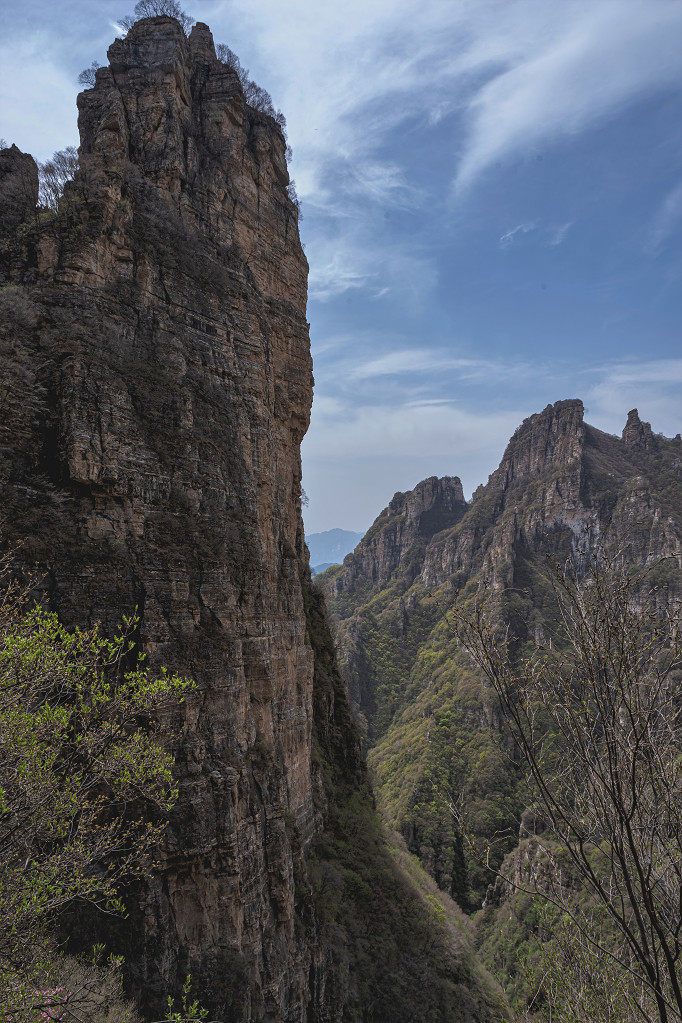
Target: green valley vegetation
(86, 783)
(389, 924)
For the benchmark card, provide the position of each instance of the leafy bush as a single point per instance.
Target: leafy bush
(85, 766)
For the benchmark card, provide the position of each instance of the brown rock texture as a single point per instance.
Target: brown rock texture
(18, 189)
(156, 385)
(166, 307)
(637, 434)
(561, 478)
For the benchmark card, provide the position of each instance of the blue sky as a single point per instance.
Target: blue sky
(492, 204)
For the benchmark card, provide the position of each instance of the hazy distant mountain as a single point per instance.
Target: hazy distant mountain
(330, 547)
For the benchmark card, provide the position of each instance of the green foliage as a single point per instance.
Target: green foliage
(510, 947)
(441, 749)
(189, 1012)
(89, 991)
(433, 746)
(84, 768)
(439, 753)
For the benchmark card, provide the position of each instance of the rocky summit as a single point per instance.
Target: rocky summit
(156, 385)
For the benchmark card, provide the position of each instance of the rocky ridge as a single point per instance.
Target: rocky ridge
(156, 387)
(562, 487)
(397, 540)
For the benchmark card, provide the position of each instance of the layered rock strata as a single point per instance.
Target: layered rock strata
(162, 314)
(394, 546)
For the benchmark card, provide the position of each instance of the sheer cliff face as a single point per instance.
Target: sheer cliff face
(157, 331)
(559, 478)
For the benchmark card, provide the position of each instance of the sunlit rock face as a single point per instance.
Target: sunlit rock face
(560, 477)
(158, 324)
(394, 547)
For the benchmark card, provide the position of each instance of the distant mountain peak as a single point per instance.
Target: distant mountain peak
(331, 546)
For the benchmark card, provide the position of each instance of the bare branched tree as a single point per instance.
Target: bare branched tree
(155, 9)
(597, 715)
(255, 95)
(54, 174)
(581, 985)
(87, 76)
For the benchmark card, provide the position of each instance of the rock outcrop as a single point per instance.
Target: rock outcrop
(395, 544)
(562, 479)
(163, 475)
(156, 387)
(18, 188)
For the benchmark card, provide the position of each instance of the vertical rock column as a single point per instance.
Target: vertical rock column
(170, 341)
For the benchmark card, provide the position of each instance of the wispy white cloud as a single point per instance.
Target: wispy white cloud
(548, 235)
(407, 360)
(381, 182)
(360, 259)
(559, 233)
(526, 73)
(586, 61)
(510, 236)
(666, 221)
(411, 429)
(337, 268)
(519, 76)
(420, 370)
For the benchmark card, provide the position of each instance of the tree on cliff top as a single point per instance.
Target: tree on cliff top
(156, 9)
(83, 764)
(255, 95)
(88, 75)
(596, 711)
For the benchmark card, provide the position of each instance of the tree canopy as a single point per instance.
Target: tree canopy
(155, 9)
